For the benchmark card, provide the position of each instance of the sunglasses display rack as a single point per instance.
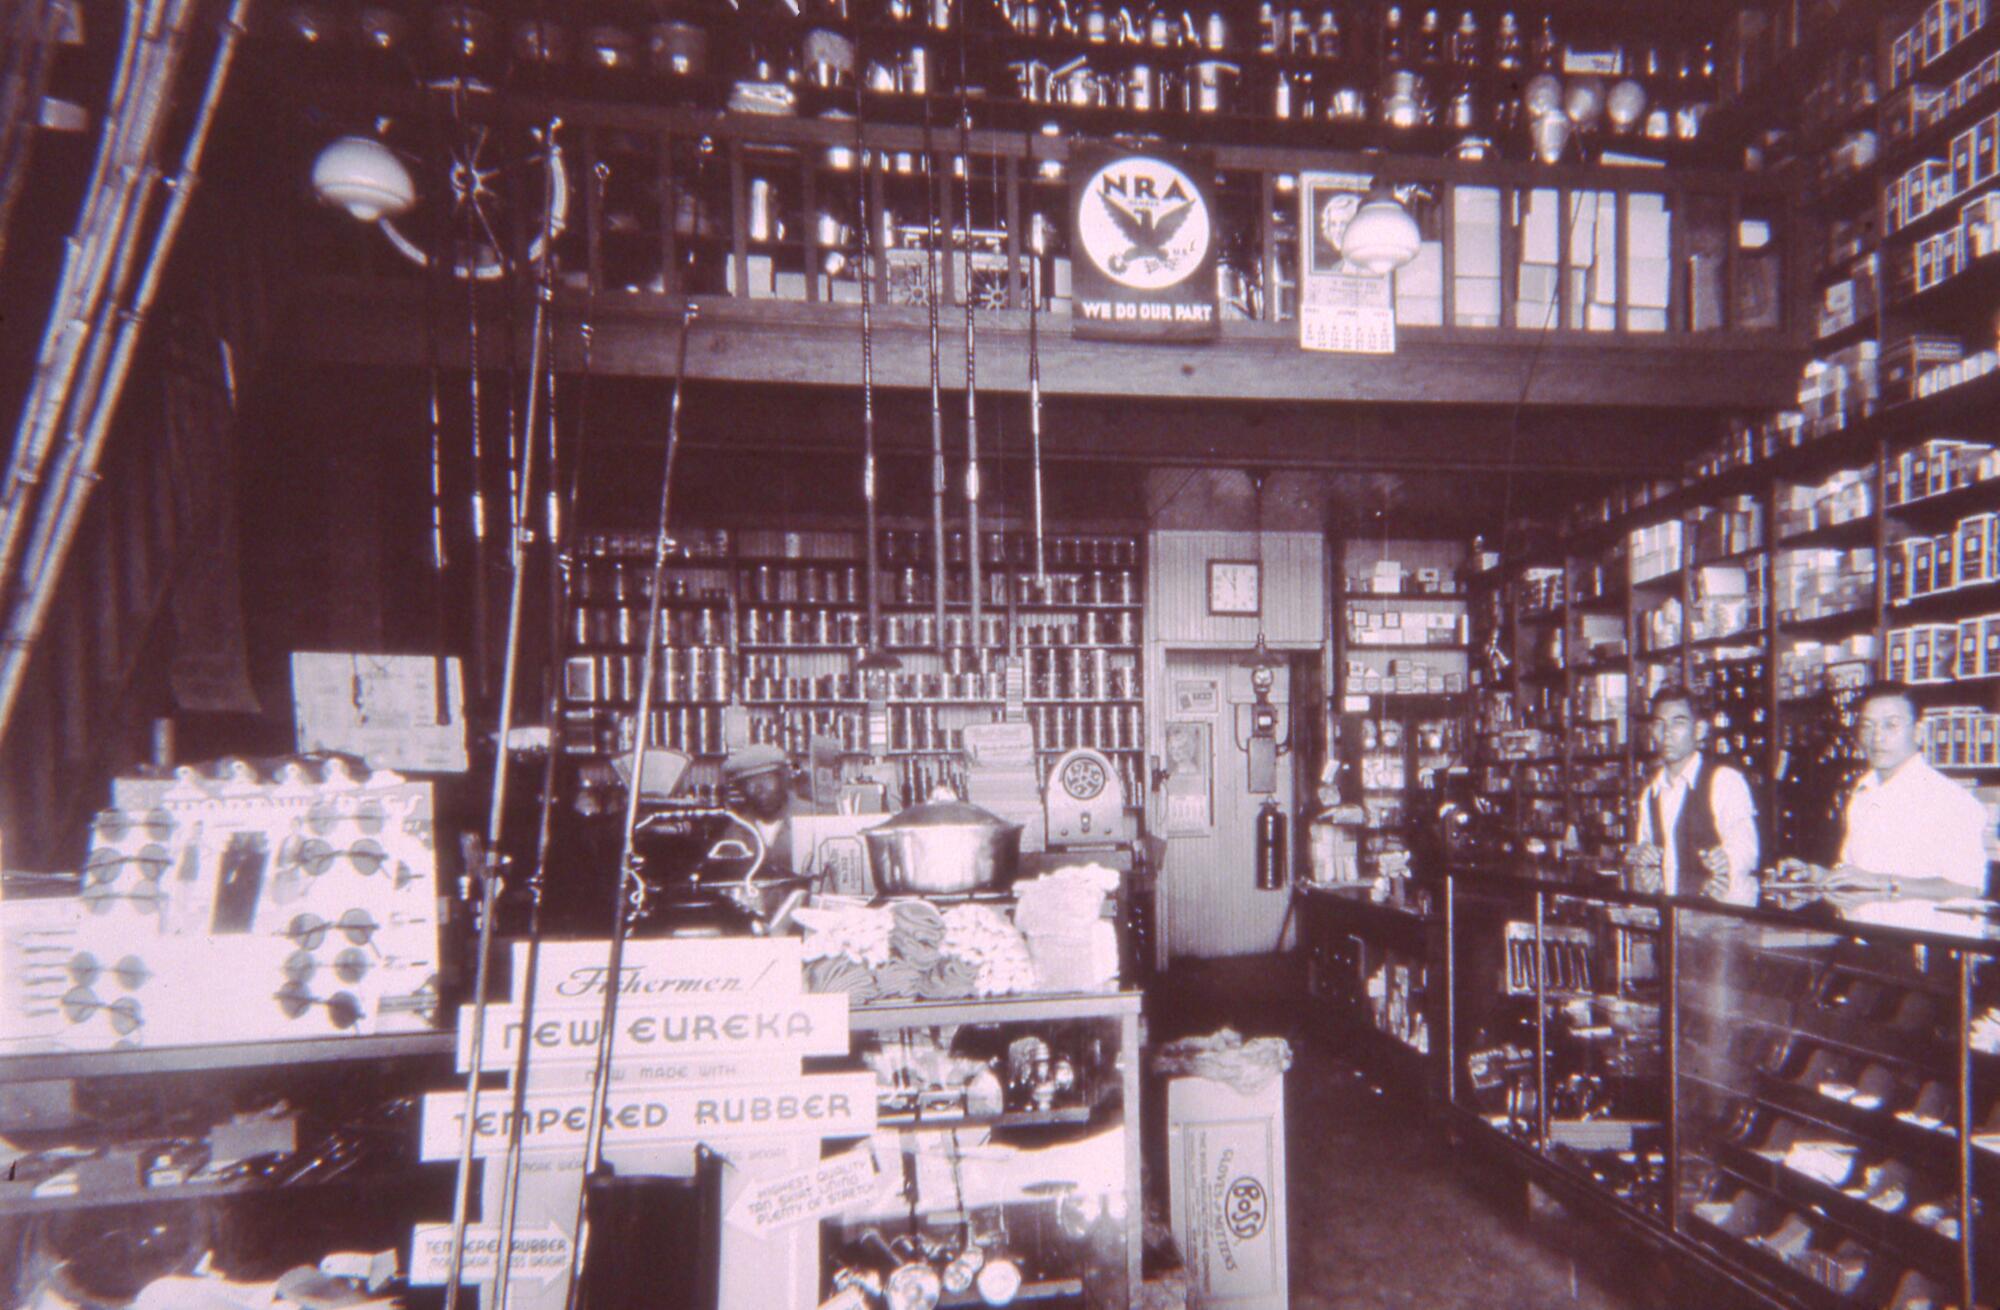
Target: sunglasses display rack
(310, 887)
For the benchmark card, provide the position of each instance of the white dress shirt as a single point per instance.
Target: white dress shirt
(1735, 823)
(1916, 823)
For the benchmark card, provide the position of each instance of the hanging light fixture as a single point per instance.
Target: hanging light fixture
(1381, 237)
(364, 177)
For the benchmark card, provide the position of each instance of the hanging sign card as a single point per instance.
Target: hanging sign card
(1143, 226)
(646, 1029)
(816, 1105)
(570, 975)
(541, 1254)
(803, 1195)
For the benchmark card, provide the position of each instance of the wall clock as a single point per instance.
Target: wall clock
(1235, 586)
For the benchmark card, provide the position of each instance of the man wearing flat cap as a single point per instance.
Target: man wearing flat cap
(757, 785)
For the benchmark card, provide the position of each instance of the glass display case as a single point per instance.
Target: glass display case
(1016, 1125)
(1807, 1106)
(1837, 1109)
(1372, 978)
(1557, 1025)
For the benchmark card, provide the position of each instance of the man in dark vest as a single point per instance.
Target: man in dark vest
(1697, 829)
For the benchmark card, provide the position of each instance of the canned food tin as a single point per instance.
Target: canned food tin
(580, 678)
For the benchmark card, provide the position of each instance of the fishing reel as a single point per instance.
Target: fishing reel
(915, 1272)
(466, 213)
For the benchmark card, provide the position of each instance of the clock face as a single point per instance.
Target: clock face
(1233, 586)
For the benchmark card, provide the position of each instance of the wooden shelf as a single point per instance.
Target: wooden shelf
(1854, 532)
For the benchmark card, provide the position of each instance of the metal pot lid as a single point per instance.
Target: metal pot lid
(944, 814)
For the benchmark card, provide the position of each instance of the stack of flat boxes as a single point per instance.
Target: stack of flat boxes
(1845, 495)
(1960, 736)
(1909, 359)
(1656, 550)
(1810, 584)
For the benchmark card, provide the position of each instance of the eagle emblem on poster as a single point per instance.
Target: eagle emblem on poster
(1144, 226)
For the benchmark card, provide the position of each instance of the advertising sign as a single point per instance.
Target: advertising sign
(1342, 308)
(1144, 234)
(816, 1105)
(802, 1025)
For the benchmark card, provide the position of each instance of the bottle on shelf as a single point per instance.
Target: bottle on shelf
(1507, 52)
(1430, 40)
(1395, 51)
(1548, 51)
(1328, 37)
(1465, 41)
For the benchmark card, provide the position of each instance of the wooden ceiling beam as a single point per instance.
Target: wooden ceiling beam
(353, 321)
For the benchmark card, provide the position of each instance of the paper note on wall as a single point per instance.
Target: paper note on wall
(388, 709)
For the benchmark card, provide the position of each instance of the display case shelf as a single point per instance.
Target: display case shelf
(234, 1055)
(13, 1204)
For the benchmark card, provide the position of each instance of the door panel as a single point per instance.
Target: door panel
(1213, 905)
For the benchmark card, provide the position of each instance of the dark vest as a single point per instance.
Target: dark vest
(1694, 829)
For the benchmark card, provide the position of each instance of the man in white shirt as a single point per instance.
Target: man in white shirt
(1912, 833)
(1697, 832)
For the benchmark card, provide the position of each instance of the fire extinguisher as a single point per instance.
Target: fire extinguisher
(1270, 847)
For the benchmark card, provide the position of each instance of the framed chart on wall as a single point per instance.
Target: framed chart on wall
(1190, 776)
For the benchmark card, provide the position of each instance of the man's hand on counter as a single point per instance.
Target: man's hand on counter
(1644, 862)
(1848, 885)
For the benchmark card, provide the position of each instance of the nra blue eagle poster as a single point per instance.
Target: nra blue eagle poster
(1143, 236)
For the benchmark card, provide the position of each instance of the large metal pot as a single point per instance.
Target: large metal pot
(943, 846)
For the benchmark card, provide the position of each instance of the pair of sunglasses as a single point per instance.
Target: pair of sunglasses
(317, 856)
(104, 863)
(113, 826)
(343, 1010)
(350, 966)
(131, 972)
(148, 898)
(124, 1013)
(368, 817)
(310, 931)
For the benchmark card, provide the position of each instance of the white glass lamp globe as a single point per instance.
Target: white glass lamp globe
(1381, 237)
(364, 177)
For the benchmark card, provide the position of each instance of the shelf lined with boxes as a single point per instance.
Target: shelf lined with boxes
(1400, 655)
(767, 624)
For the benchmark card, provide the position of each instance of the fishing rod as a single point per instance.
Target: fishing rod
(937, 407)
(873, 658)
(600, 1074)
(973, 551)
(563, 495)
(490, 857)
(1035, 394)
